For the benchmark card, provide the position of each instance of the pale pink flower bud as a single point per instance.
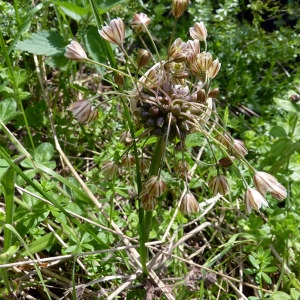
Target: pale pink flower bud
(114, 32)
(75, 52)
(239, 149)
(179, 7)
(254, 199)
(189, 204)
(83, 111)
(139, 22)
(203, 61)
(198, 31)
(219, 184)
(214, 69)
(265, 182)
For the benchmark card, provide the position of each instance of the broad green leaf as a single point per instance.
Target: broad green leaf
(278, 131)
(287, 105)
(8, 110)
(95, 46)
(43, 153)
(43, 43)
(280, 296)
(254, 262)
(266, 278)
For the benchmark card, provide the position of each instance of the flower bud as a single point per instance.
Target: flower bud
(189, 204)
(109, 169)
(213, 93)
(126, 138)
(201, 96)
(144, 165)
(226, 162)
(239, 149)
(83, 111)
(203, 61)
(225, 139)
(265, 182)
(155, 186)
(114, 32)
(127, 161)
(198, 31)
(74, 51)
(179, 7)
(143, 58)
(140, 22)
(219, 184)
(214, 69)
(254, 199)
(119, 79)
(148, 202)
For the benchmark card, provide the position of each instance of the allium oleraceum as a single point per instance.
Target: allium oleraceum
(170, 100)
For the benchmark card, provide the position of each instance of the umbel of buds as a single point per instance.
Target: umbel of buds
(75, 52)
(114, 32)
(83, 111)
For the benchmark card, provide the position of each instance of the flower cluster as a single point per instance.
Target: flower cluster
(170, 100)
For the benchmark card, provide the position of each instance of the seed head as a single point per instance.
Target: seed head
(155, 186)
(148, 202)
(75, 52)
(109, 169)
(114, 32)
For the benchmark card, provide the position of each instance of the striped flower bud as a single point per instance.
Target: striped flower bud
(254, 199)
(109, 169)
(214, 69)
(198, 31)
(189, 204)
(219, 184)
(143, 58)
(74, 51)
(265, 182)
(155, 186)
(239, 149)
(119, 79)
(203, 61)
(128, 161)
(83, 111)
(179, 7)
(213, 93)
(226, 162)
(140, 22)
(148, 202)
(114, 32)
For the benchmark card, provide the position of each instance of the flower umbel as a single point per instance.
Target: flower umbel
(114, 32)
(74, 51)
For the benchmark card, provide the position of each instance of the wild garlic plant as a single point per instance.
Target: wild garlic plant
(169, 98)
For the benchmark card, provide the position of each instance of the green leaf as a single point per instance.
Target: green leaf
(254, 262)
(287, 105)
(105, 5)
(280, 296)
(95, 46)
(266, 278)
(43, 153)
(8, 110)
(72, 10)
(3, 167)
(43, 43)
(194, 139)
(278, 131)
